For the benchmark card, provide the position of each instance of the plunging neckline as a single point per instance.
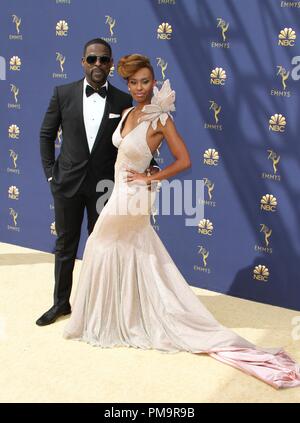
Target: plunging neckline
(120, 130)
(124, 123)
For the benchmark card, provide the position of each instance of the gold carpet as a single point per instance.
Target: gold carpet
(38, 365)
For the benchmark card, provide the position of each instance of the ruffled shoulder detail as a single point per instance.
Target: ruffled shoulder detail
(162, 103)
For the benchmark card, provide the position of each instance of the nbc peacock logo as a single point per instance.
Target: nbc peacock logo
(13, 192)
(287, 37)
(268, 203)
(15, 63)
(53, 229)
(62, 28)
(205, 227)
(218, 76)
(261, 273)
(164, 31)
(14, 132)
(211, 157)
(277, 123)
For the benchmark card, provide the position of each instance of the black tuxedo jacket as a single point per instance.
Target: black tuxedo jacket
(75, 161)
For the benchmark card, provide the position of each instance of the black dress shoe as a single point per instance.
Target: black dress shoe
(52, 314)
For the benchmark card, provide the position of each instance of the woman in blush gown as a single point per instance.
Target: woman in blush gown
(130, 292)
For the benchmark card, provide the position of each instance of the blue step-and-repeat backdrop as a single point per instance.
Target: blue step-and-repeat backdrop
(235, 66)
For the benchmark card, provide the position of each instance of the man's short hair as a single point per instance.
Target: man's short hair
(97, 41)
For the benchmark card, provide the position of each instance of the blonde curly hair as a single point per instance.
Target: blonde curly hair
(128, 65)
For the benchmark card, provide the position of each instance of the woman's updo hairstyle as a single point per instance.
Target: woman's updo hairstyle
(130, 64)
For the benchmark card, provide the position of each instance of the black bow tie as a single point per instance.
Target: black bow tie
(90, 90)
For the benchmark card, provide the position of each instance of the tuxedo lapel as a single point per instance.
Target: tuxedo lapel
(78, 95)
(104, 120)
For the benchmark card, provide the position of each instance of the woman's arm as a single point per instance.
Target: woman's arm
(178, 150)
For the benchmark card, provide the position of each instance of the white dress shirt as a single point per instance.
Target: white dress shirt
(93, 110)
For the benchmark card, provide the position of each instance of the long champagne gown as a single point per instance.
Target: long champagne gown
(131, 293)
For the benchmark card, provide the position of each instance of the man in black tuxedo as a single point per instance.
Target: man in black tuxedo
(88, 112)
